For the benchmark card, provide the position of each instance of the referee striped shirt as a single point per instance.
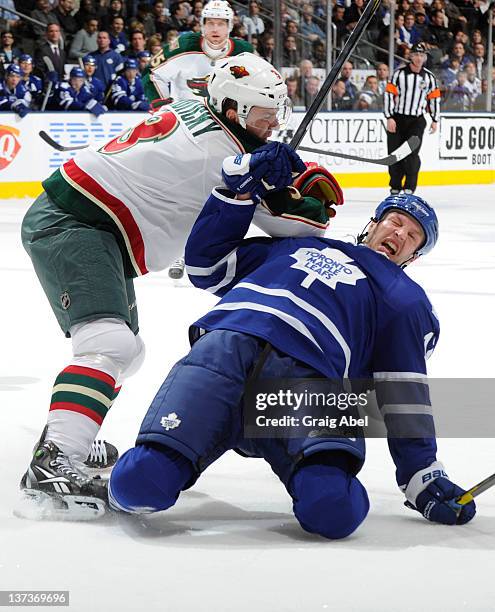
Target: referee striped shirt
(410, 93)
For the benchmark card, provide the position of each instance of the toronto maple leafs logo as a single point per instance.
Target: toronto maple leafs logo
(239, 71)
(330, 266)
(171, 421)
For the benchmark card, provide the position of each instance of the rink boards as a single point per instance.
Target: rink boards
(461, 152)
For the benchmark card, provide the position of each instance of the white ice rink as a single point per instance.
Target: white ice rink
(231, 543)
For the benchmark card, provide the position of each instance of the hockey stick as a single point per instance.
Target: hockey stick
(481, 487)
(51, 68)
(343, 56)
(405, 149)
(55, 145)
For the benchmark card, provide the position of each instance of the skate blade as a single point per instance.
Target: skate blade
(37, 505)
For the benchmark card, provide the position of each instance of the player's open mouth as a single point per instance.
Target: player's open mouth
(390, 247)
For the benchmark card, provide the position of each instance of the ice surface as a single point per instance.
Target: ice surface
(231, 543)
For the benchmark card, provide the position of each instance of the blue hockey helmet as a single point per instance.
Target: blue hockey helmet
(77, 73)
(89, 59)
(131, 64)
(419, 210)
(25, 58)
(14, 69)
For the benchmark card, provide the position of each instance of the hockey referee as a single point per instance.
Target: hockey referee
(411, 90)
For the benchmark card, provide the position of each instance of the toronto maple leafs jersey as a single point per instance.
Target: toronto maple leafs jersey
(148, 184)
(343, 309)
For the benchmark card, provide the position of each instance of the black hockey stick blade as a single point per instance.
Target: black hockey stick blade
(405, 149)
(55, 145)
(343, 56)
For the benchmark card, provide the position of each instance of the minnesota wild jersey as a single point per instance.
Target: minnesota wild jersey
(149, 184)
(181, 69)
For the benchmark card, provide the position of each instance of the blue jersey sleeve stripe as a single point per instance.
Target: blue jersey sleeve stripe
(229, 274)
(387, 409)
(197, 271)
(409, 376)
(285, 317)
(309, 308)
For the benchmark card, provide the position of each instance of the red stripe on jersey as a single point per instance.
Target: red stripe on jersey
(94, 416)
(92, 373)
(116, 206)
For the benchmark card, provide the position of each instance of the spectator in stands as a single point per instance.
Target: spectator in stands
(305, 71)
(288, 14)
(145, 16)
(118, 37)
(143, 58)
(42, 13)
(459, 97)
(292, 29)
(449, 74)
(293, 91)
(382, 76)
(458, 52)
(89, 8)
(411, 34)
(127, 91)
(114, 10)
(137, 44)
(94, 84)
(49, 57)
(9, 20)
(253, 22)
(178, 17)
(439, 33)
(480, 102)
(319, 54)
(364, 102)
(338, 13)
(473, 83)
(85, 40)
(479, 59)
(267, 48)
(66, 20)
(354, 11)
(341, 100)
(370, 90)
(291, 55)
(346, 76)
(108, 61)
(421, 25)
(14, 95)
(311, 89)
(8, 52)
(154, 44)
(160, 19)
(75, 96)
(308, 27)
(32, 83)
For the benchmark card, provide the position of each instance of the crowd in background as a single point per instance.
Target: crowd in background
(110, 42)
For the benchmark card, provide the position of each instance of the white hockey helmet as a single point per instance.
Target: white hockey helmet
(250, 81)
(217, 9)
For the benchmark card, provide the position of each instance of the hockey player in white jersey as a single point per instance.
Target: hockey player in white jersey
(112, 214)
(182, 68)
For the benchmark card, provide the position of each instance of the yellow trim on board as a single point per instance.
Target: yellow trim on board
(32, 189)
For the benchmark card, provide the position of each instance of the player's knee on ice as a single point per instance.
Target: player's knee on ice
(107, 345)
(148, 479)
(328, 499)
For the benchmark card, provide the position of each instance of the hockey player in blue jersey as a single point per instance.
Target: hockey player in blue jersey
(74, 95)
(94, 85)
(14, 95)
(127, 91)
(33, 83)
(327, 309)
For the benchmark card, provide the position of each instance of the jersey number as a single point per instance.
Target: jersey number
(153, 129)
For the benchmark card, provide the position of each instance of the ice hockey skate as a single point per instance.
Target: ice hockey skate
(176, 270)
(55, 487)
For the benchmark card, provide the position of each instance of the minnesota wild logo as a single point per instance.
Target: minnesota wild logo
(199, 86)
(239, 71)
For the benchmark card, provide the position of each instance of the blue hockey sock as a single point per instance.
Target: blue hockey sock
(148, 479)
(328, 499)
